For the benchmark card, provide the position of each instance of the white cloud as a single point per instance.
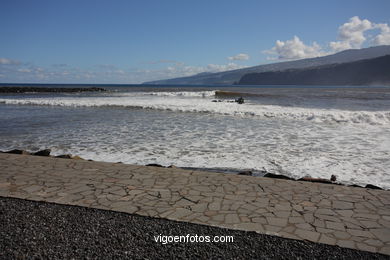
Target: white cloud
(339, 46)
(241, 56)
(224, 67)
(384, 37)
(24, 70)
(105, 74)
(162, 61)
(294, 49)
(5, 61)
(181, 70)
(351, 34)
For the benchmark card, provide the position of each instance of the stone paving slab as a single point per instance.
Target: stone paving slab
(332, 214)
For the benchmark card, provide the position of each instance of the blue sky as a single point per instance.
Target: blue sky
(135, 41)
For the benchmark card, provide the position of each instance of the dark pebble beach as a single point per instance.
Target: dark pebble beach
(40, 230)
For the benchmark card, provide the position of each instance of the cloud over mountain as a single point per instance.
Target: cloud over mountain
(351, 35)
(294, 49)
(241, 56)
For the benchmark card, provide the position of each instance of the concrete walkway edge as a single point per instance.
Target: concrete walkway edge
(349, 217)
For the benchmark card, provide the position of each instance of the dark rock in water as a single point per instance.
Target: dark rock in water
(319, 180)
(64, 156)
(155, 165)
(333, 178)
(240, 100)
(355, 185)
(45, 152)
(216, 100)
(247, 173)
(17, 151)
(277, 176)
(370, 186)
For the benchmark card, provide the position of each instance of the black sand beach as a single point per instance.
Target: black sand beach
(31, 230)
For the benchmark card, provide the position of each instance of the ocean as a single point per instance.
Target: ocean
(296, 131)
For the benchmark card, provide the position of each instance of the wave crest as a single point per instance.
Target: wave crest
(172, 94)
(206, 106)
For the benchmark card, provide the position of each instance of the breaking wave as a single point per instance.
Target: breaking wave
(195, 94)
(207, 106)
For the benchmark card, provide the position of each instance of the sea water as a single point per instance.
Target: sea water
(296, 131)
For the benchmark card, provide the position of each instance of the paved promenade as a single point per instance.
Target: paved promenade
(332, 214)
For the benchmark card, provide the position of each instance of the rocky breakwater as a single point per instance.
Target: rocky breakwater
(16, 89)
(44, 152)
(331, 180)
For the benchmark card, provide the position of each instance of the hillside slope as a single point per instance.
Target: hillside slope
(365, 72)
(233, 76)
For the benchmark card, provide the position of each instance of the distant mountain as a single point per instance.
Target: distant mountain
(364, 72)
(233, 76)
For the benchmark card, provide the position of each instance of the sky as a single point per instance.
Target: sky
(130, 42)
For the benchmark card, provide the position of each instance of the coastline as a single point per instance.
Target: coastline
(332, 180)
(350, 217)
(299, 133)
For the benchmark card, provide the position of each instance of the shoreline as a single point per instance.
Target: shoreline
(332, 180)
(330, 214)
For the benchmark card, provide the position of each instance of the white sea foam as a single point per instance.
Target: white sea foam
(181, 93)
(201, 102)
(296, 141)
(185, 94)
(354, 153)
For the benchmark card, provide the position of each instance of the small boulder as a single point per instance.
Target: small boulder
(155, 165)
(277, 176)
(333, 178)
(17, 151)
(370, 186)
(45, 152)
(319, 180)
(76, 157)
(64, 156)
(355, 185)
(247, 173)
(240, 100)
